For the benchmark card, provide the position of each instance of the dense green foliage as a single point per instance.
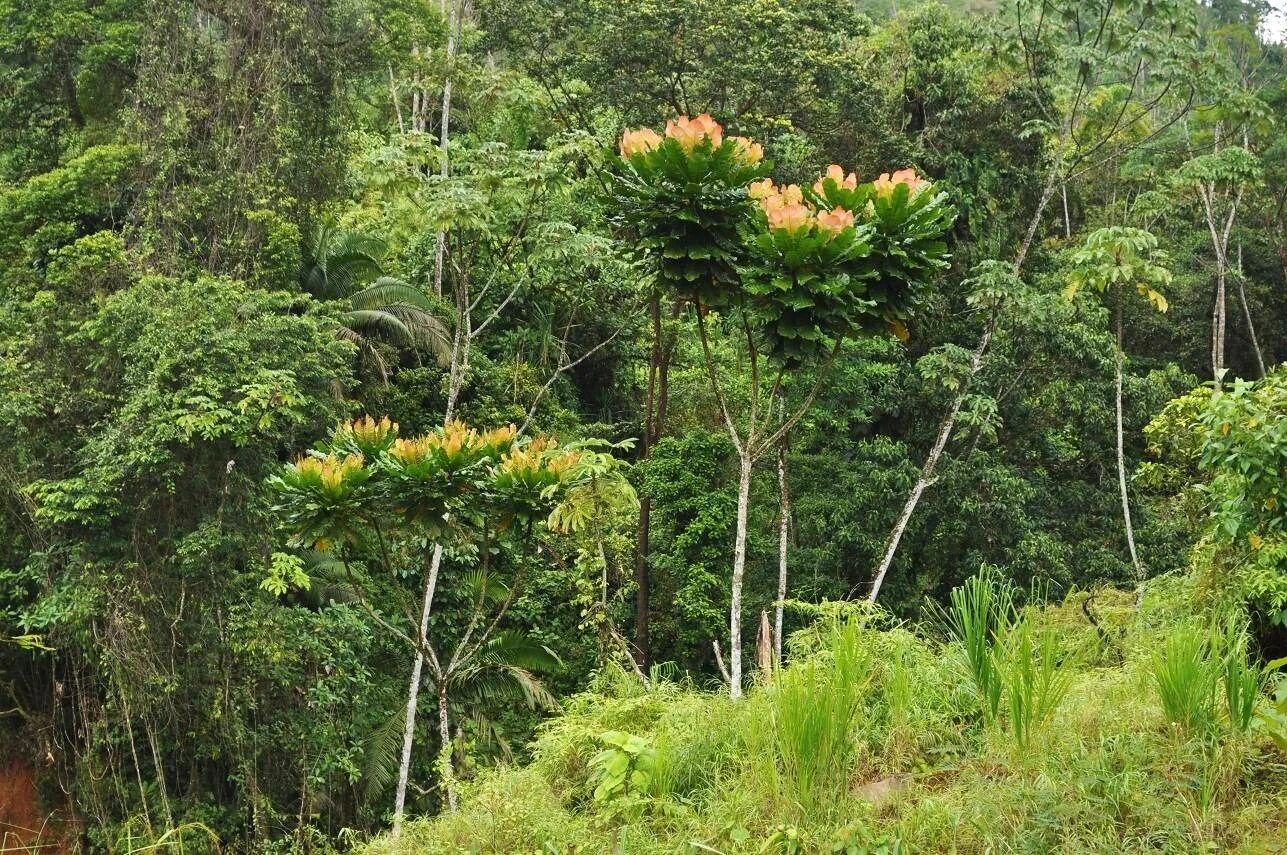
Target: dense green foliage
(973, 308)
(872, 741)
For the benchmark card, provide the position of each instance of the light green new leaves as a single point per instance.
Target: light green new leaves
(1120, 257)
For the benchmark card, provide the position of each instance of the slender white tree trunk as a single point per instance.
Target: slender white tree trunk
(393, 96)
(1220, 244)
(784, 522)
(929, 471)
(413, 693)
(453, 18)
(460, 348)
(1246, 311)
(417, 93)
(1217, 323)
(444, 735)
(1118, 357)
(745, 463)
(1063, 191)
(926, 479)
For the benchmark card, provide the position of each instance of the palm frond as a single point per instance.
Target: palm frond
(390, 289)
(366, 348)
(472, 582)
(381, 755)
(378, 322)
(512, 648)
(334, 261)
(413, 308)
(484, 685)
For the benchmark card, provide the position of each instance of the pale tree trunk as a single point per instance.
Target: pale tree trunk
(745, 463)
(1063, 191)
(1246, 311)
(926, 479)
(417, 98)
(453, 22)
(459, 365)
(929, 471)
(784, 523)
(444, 734)
(1217, 322)
(393, 96)
(1220, 245)
(759, 439)
(1118, 358)
(413, 693)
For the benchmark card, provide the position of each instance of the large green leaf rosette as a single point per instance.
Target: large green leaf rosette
(684, 195)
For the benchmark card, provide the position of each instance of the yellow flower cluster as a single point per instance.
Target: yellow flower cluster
(785, 208)
(368, 431)
(499, 437)
(526, 459)
(409, 451)
(749, 150)
(331, 471)
(886, 183)
(689, 133)
(529, 459)
(559, 466)
(456, 438)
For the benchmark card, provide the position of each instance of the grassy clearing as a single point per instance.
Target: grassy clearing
(1003, 730)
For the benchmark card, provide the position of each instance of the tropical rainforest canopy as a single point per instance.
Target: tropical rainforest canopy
(643, 426)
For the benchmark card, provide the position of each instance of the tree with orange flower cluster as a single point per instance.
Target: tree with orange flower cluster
(794, 271)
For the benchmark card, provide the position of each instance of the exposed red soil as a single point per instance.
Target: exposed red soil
(24, 826)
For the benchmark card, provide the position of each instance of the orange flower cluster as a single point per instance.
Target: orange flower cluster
(689, 133)
(639, 141)
(886, 183)
(836, 220)
(785, 208)
(837, 174)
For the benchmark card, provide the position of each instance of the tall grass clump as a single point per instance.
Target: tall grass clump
(1187, 676)
(812, 706)
(979, 615)
(1240, 678)
(1037, 675)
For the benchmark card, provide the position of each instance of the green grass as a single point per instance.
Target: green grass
(876, 738)
(812, 708)
(1187, 677)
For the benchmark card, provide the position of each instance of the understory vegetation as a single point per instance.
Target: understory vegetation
(642, 426)
(880, 737)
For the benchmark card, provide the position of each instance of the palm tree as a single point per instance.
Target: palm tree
(503, 670)
(345, 266)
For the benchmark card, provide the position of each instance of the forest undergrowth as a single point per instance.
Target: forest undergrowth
(1080, 726)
